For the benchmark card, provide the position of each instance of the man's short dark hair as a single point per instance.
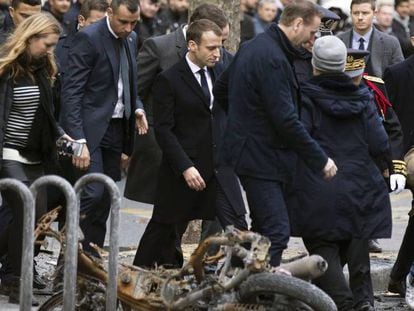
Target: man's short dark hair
(15, 3)
(211, 12)
(371, 2)
(398, 2)
(196, 29)
(132, 5)
(300, 9)
(93, 5)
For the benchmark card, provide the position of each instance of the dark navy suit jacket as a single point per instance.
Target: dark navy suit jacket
(90, 85)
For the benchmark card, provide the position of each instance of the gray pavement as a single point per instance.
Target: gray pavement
(134, 217)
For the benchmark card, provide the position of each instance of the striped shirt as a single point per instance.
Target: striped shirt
(26, 100)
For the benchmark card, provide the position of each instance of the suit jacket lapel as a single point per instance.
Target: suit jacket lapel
(108, 44)
(188, 77)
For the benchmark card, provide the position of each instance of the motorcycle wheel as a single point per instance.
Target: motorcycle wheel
(284, 293)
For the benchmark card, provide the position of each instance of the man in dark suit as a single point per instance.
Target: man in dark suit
(400, 87)
(264, 135)
(100, 106)
(384, 49)
(188, 128)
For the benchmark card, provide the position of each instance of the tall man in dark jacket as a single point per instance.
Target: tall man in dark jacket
(264, 135)
(100, 106)
(400, 87)
(188, 127)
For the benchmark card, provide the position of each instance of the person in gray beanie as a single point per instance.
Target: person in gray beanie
(329, 55)
(341, 117)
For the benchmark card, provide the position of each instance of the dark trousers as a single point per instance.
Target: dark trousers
(337, 254)
(209, 228)
(405, 255)
(360, 282)
(95, 200)
(333, 281)
(11, 237)
(6, 216)
(165, 236)
(268, 213)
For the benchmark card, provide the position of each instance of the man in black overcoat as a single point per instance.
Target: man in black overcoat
(400, 87)
(188, 128)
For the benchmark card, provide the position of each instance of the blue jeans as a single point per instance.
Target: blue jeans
(268, 213)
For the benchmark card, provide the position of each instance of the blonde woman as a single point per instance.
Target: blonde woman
(29, 131)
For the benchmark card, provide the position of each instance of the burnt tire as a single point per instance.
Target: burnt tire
(53, 303)
(282, 292)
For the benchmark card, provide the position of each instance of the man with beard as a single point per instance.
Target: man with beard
(264, 135)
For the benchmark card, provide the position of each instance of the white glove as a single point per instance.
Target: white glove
(397, 182)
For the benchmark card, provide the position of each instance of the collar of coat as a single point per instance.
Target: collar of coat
(279, 36)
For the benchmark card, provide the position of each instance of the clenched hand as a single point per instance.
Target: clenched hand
(330, 169)
(194, 179)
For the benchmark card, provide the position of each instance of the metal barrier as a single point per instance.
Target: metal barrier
(72, 224)
(26, 279)
(111, 289)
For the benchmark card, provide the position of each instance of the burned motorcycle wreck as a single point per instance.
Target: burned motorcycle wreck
(242, 279)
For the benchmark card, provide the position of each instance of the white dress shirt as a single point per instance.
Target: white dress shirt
(195, 68)
(356, 36)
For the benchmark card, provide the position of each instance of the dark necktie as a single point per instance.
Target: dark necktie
(124, 67)
(361, 44)
(204, 85)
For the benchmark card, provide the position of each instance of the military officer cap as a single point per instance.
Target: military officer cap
(327, 20)
(355, 62)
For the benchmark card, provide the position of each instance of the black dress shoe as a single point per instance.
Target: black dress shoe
(373, 246)
(397, 287)
(365, 306)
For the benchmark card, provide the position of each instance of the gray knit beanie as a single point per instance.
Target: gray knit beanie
(329, 54)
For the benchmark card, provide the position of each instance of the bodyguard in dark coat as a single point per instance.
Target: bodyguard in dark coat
(100, 106)
(188, 127)
(392, 168)
(355, 204)
(399, 82)
(264, 135)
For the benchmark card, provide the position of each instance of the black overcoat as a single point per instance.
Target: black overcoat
(400, 87)
(188, 133)
(341, 117)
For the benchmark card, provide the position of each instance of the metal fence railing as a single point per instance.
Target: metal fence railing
(114, 193)
(71, 240)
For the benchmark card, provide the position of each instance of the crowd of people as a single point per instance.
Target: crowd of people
(314, 128)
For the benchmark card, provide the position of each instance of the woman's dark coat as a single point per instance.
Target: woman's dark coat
(354, 204)
(45, 130)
